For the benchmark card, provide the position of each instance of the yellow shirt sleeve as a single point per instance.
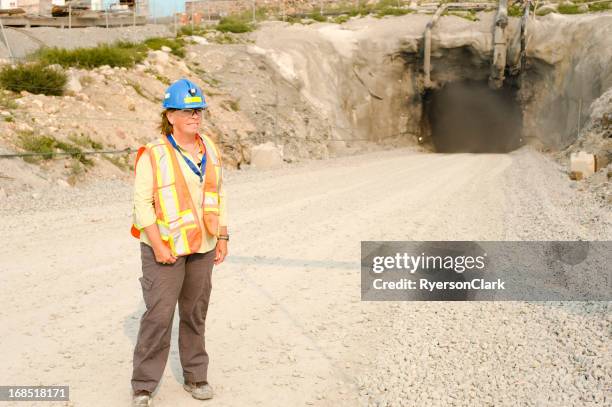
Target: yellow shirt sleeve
(144, 210)
(222, 205)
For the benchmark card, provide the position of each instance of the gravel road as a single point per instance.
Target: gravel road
(286, 326)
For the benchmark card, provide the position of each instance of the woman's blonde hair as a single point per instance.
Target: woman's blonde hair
(165, 127)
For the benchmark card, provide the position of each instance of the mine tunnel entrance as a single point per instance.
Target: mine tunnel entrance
(468, 116)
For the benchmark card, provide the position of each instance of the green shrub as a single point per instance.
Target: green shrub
(121, 161)
(230, 105)
(120, 54)
(341, 19)
(317, 16)
(234, 25)
(137, 88)
(569, 9)
(211, 81)
(599, 6)
(138, 46)
(176, 45)
(199, 71)
(75, 152)
(469, 15)
(7, 101)
(75, 172)
(385, 3)
(31, 143)
(47, 146)
(225, 38)
(85, 141)
(35, 78)
(389, 8)
(540, 11)
(163, 79)
(293, 20)
(515, 10)
(189, 30)
(363, 9)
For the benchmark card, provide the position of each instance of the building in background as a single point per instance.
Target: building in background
(29, 6)
(8, 4)
(35, 7)
(142, 6)
(43, 7)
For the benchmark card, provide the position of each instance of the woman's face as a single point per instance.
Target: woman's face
(185, 121)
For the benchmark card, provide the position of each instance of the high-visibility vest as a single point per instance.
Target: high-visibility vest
(174, 208)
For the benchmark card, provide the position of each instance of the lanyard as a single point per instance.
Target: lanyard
(197, 171)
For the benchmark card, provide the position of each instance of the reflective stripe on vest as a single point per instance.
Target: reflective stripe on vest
(212, 182)
(176, 214)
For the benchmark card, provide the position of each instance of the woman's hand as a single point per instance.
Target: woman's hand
(220, 251)
(162, 252)
(164, 255)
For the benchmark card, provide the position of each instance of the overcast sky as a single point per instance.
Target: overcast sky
(160, 8)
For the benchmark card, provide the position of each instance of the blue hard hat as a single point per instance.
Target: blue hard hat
(184, 94)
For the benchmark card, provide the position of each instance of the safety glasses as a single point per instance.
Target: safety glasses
(189, 112)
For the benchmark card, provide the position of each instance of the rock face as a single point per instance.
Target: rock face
(365, 78)
(562, 82)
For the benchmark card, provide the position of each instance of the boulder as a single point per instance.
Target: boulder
(106, 70)
(266, 156)
(582, 165)
(198, 40)
(159, 58)
(166, 49)
(74, 84)
(546, 9)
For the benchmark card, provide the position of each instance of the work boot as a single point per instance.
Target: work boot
(199, 390)
(142, 398)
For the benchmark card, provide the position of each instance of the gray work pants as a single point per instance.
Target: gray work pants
(187, 281)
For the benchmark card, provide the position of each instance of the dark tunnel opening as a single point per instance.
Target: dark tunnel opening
(468, 116)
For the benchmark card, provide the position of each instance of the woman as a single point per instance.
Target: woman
(179, 203)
